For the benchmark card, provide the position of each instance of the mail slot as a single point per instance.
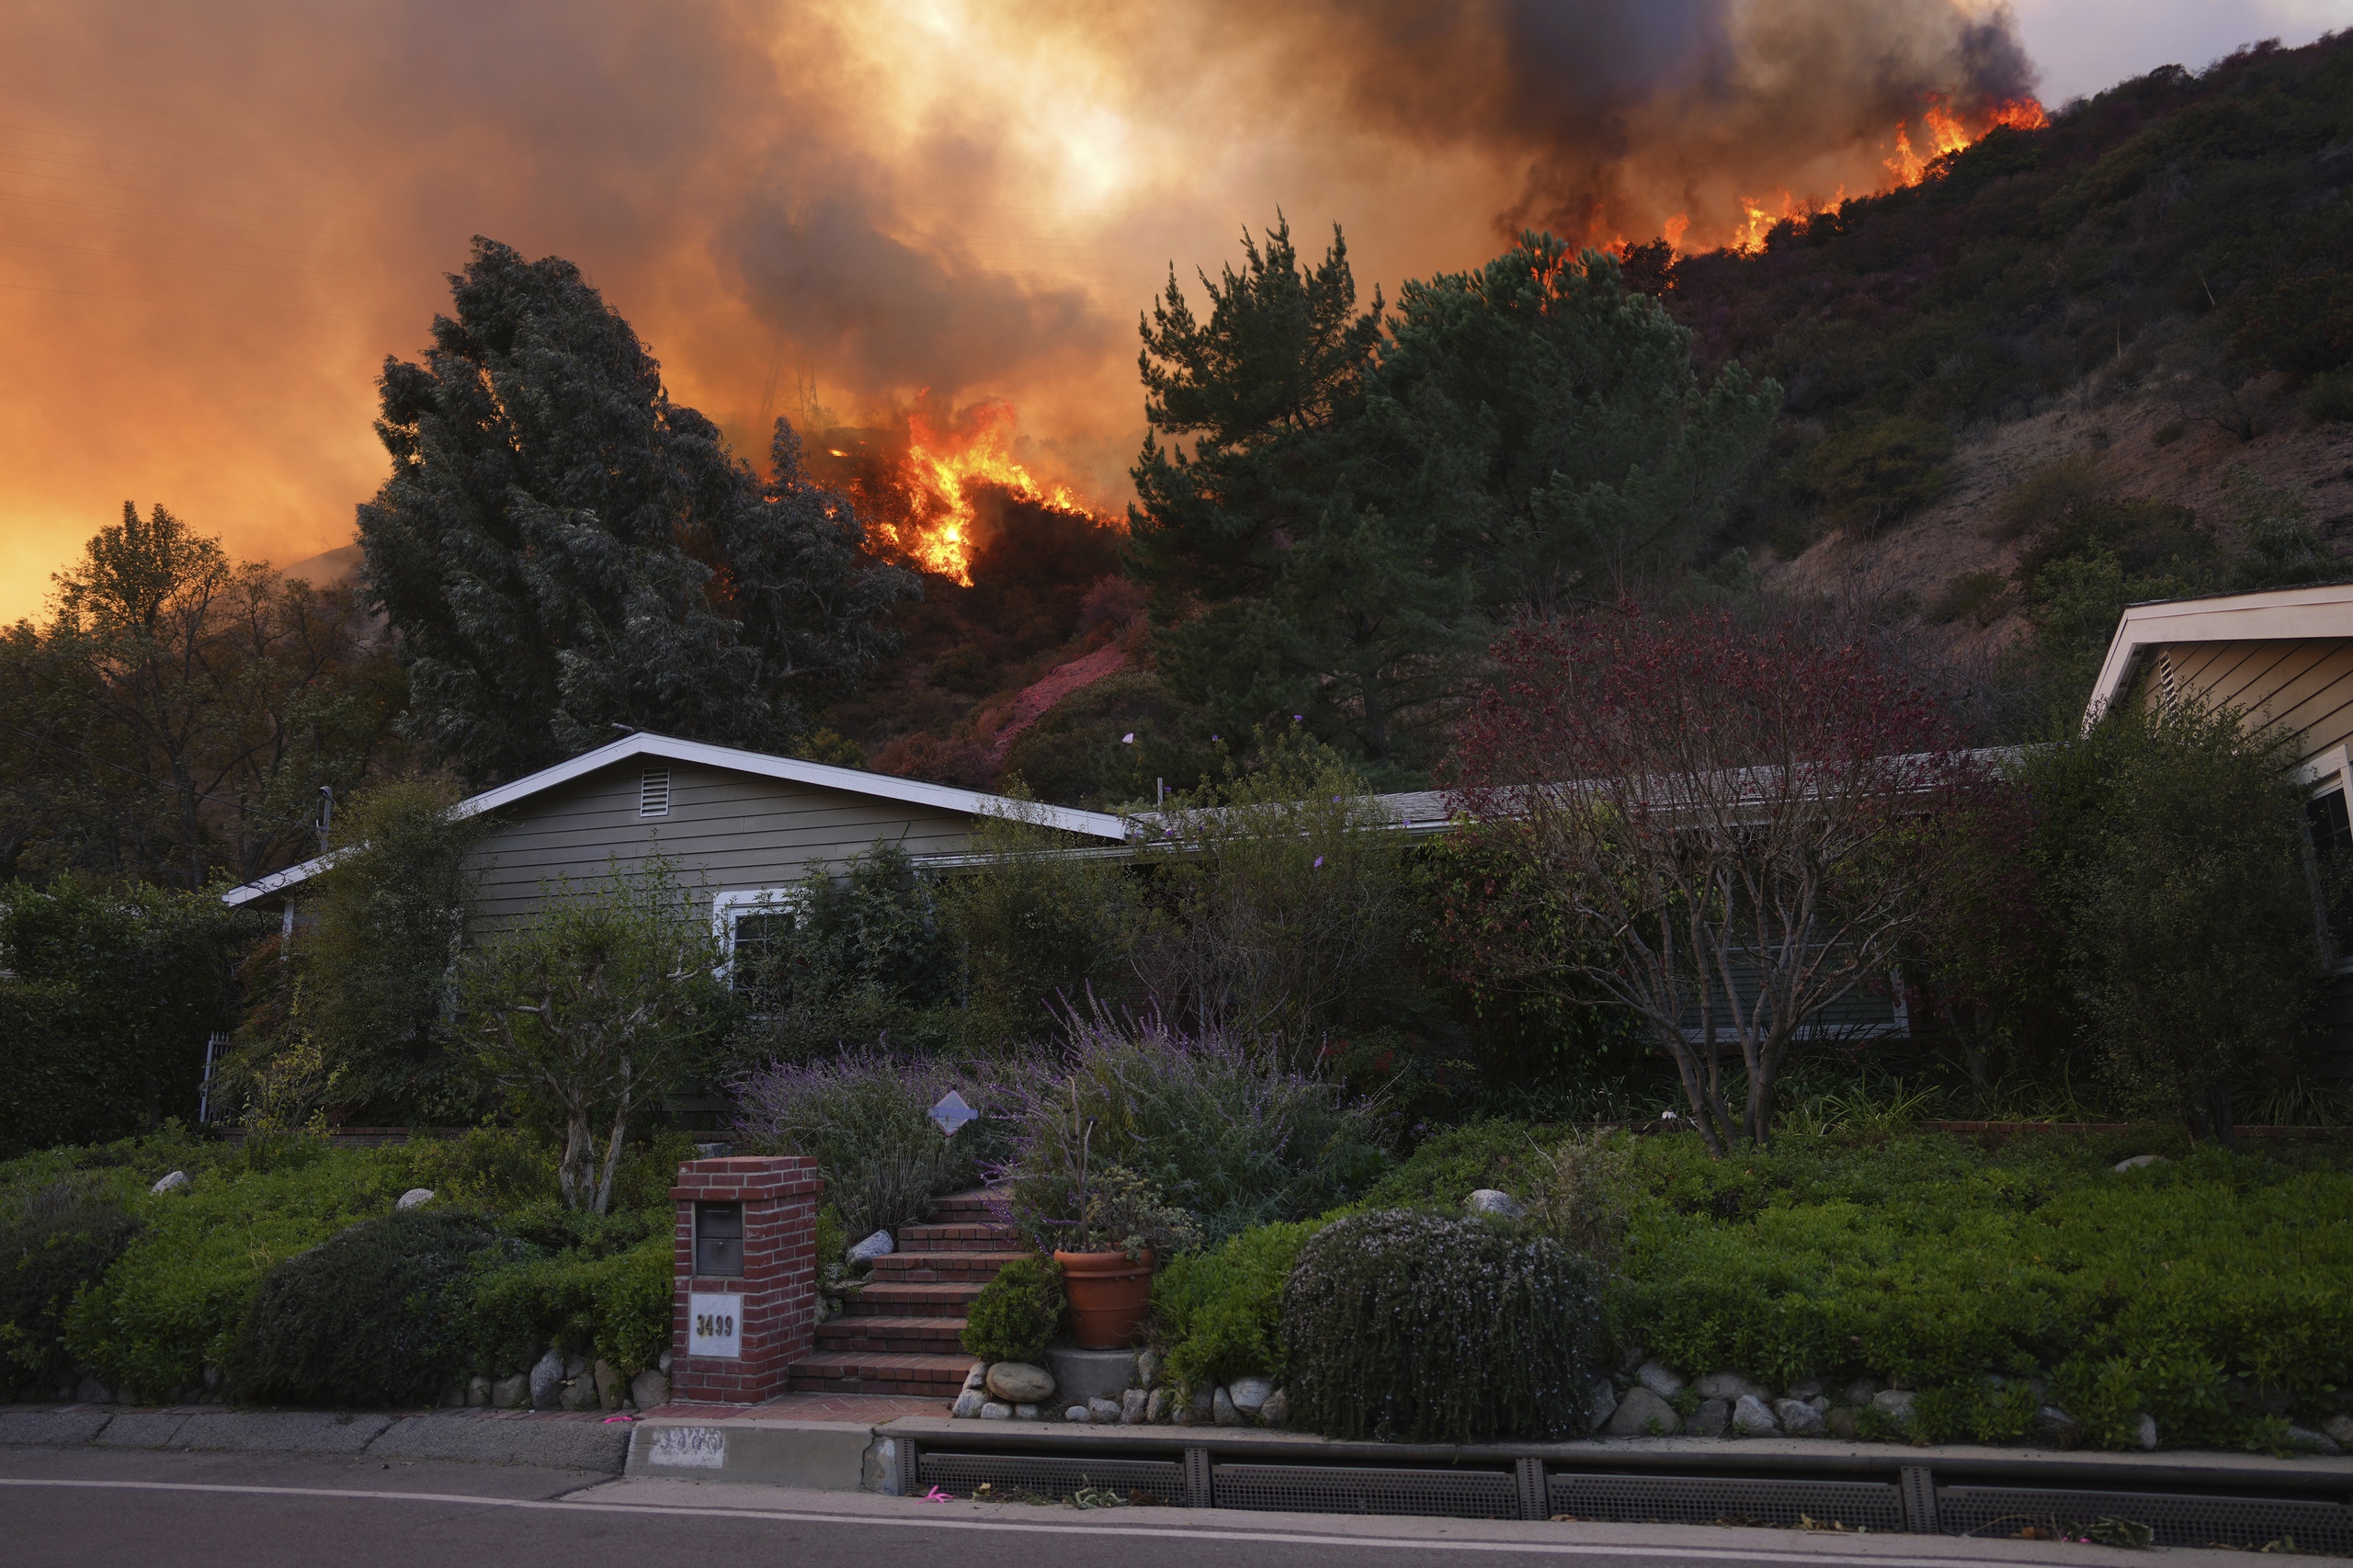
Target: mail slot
(718, 1240)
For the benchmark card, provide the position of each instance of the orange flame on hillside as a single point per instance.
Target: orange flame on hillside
(934, 527)
(1941, 132)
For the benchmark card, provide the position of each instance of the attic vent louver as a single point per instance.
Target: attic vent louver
(653, 793)
(2168, 692)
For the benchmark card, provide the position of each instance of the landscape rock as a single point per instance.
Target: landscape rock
(1155, 1408)
(1750, 1418)
(512, 1392)
(968, 1404)
(609, 1386)
(874, 1247)
(1840, 1419)
(575, 1367)
(1104, 1411)
(1600, 1401)
(1026, 1412)
(1487, 1200)
(2137, 1161)
(547, 1381)
(172, 1183)
(477, 1393)
(1643, 1414)
(1148, 1370)
(977, 1376)
(1276, 1412)
(2057, 1427)
(1077, 1413)
(1018, 1382)
(2304, 1440)
(1807, 1388)
(2341, 1429)
(1726, 1386)
(996, 1410)
(1712, 1419)
(92, 1392)
(649, 1390)
(1660, 1379)
(1223, 1410)
(1894, 1404)
(1132, 1404)
(664, 1364)
(580, 1394)
(415, 1197)
(1800, 1419)
(2146, 1432)
(1249, 1394)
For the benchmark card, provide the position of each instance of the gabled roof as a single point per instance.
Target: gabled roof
(2276, 615)
(668, 748)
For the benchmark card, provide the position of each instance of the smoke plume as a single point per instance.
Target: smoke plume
(222, 216)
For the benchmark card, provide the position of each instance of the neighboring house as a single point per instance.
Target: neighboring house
(740, 826)
(2285, 659)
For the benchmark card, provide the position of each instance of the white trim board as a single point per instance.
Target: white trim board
(2279, 615)
(668, 748)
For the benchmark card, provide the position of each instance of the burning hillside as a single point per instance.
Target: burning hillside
(934, 493)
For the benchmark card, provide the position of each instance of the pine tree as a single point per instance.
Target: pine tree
(563, 550)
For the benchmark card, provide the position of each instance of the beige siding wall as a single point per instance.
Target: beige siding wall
(2305, 686)
(727, 830)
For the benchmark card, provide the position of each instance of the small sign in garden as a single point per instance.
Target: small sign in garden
(952, 1112)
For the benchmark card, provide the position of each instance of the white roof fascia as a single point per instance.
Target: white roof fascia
(667, 748)
(2277, 615)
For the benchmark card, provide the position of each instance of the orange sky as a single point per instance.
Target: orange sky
(217, 219)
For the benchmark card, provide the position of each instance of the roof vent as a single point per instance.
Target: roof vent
(653, 793)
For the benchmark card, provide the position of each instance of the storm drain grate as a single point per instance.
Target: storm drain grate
(959, 1475)
(1316, 1489)
(1726, 1500)
(2175, 1519)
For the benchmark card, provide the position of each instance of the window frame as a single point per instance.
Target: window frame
(728, 908)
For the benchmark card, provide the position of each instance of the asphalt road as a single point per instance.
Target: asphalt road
(80, 1506)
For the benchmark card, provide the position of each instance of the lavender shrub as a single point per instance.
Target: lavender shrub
(1211, 1126)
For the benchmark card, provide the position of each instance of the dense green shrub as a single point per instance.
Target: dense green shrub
(615, 1302)
(106, 994)
(1219, 1313)
(1016, 1312)
(1930, 1261)
(373, 1315)
(55, 1238)
(1496, 1153)
(1407, 1326)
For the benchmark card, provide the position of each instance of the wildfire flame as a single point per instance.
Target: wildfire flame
(933, 526)
(1941, 134)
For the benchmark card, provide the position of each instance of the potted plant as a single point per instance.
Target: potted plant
(1107, 1228)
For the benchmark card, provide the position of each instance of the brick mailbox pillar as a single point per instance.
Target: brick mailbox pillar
(744, 1306)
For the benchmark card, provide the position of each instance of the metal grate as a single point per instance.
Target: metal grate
(653, 793)
(2176, 1518)
(1726, 1500)
(1160, 1481)
(1316, 1489)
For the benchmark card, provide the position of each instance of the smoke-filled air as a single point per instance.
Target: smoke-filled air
(933, 221)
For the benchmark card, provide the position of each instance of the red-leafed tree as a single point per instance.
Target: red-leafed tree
(1725, 831)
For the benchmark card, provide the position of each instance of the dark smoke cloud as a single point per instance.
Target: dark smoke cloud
(217, 218)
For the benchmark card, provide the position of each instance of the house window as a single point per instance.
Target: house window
(752, 928)
(653, 793)
(2331, 831)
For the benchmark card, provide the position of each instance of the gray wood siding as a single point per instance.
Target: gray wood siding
(727, 830)
(2304, 687)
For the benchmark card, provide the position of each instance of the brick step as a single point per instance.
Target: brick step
(866, 1373)
(957, 1205)
(890, 1335)
(933, 1267)
(958, 1238)
(936, 1300)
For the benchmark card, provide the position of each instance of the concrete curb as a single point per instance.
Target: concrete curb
(818, 1456)
(453, 1435)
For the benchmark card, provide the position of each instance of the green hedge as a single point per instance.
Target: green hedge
(1218, 1313)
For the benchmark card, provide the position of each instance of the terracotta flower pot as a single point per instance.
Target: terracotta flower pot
(1109, 1297)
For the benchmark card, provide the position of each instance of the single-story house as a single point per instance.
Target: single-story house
(744, 826)
(2284, 657)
